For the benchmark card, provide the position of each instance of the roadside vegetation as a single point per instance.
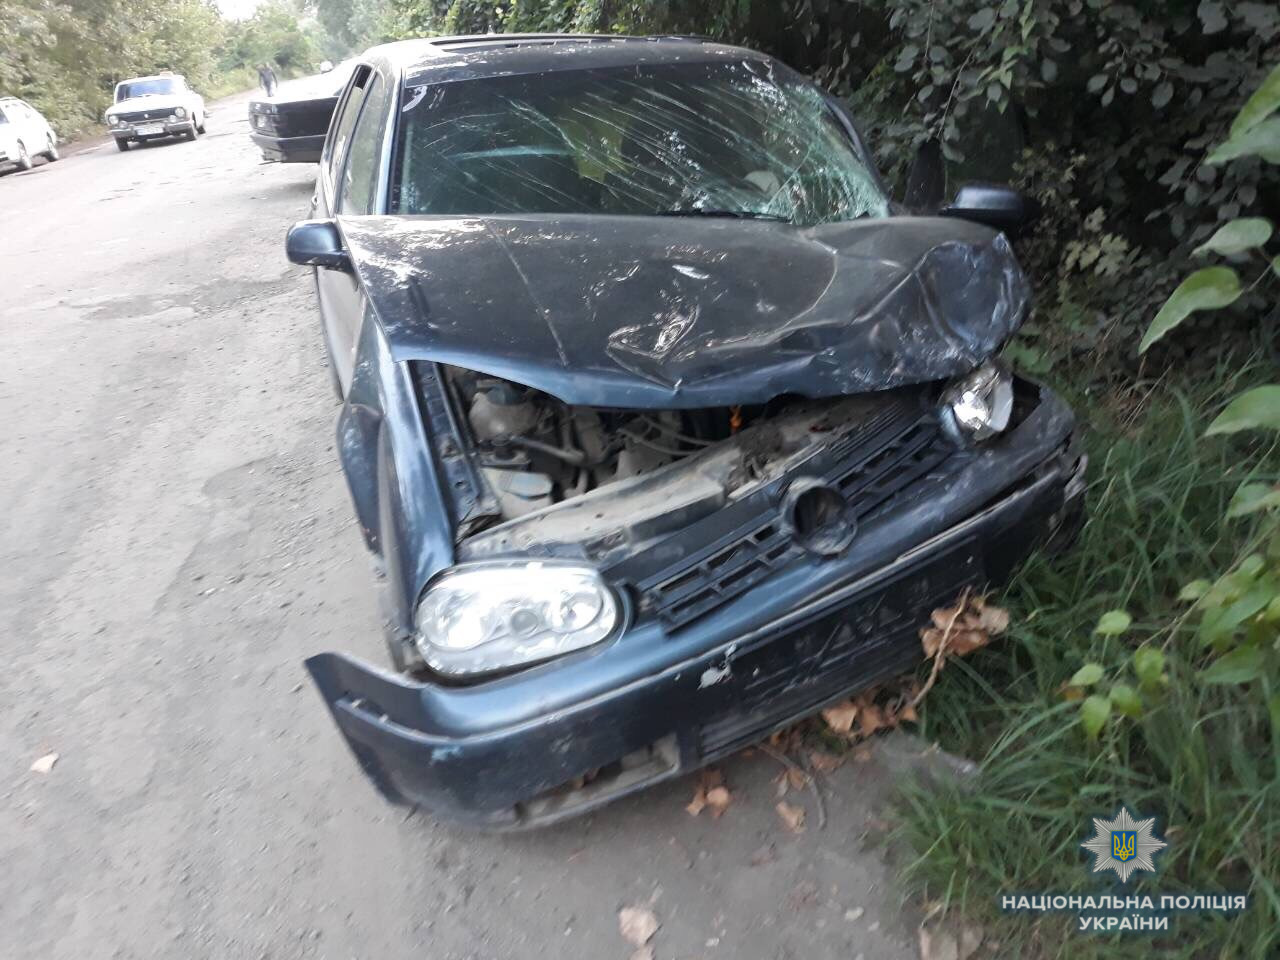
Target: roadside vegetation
(65, 59)
(1141, 668)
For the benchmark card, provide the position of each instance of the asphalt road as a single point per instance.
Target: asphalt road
(177, 538)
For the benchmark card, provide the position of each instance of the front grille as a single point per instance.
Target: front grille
(865, 642)
(140, 115)
(869, 466)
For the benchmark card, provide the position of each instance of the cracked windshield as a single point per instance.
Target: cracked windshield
(726, 140)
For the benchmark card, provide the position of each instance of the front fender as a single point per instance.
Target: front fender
(395, 485)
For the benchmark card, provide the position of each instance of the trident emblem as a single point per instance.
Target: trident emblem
(1123, 844)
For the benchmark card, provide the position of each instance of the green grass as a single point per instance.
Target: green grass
(1200, 758)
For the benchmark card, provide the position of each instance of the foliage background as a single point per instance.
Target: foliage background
(65, 56)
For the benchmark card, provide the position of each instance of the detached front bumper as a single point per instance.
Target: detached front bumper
(564, 737)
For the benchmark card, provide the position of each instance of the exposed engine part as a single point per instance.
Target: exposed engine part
(536, 452)
(519, 492)
(500, 408)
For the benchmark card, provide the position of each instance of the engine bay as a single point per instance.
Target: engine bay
(536, 451)
(601, 483)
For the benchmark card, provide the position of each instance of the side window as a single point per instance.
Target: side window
(360, 176)
(340, 134)
(3, 118)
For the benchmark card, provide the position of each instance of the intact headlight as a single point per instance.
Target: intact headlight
(978, 405)
(481, 617)
(113, 121)
(180, 112)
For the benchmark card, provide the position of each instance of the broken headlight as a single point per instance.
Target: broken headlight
(979, 404)
(482, 617)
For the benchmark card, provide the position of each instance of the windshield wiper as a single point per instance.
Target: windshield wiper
(731, 214)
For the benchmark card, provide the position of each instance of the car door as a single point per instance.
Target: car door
(31, 135)
(7, 139)
(346, 185)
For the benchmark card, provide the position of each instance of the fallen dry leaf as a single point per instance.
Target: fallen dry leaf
(718, 799)
(958, 630)
(45, 763)
(792, 816)
(938, 945)
(824, 762)
(637, 925)
(964, 642)
(995, 620)
(797, 778)
(931, 640)
(765, 854)
(710, 792)
(862, 754)
(970, 941)
(870, 719)
(840, 716)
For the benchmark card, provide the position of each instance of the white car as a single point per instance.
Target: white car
(147, 108)
(24, 134)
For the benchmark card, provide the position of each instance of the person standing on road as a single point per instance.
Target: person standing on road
(267, 77)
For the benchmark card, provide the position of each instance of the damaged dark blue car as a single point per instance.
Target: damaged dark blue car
(664, 425)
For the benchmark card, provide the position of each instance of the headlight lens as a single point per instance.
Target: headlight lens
(113, 121)
(979, 405)
(180, 112)
(487, 616)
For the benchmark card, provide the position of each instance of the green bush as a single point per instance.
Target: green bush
(1173, 742)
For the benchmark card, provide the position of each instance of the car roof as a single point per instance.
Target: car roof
(153, 76)
(440, 59)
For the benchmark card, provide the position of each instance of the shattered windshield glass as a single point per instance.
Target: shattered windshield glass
(720, 139)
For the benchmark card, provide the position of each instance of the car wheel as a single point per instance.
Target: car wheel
(51, 154)
(200, 127)
(24, 158)
(191, 134)
(122, 144)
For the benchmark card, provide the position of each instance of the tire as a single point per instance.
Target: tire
(200, 128)
(191, 134)
(52, 154)
(24, 158)
(121, 144)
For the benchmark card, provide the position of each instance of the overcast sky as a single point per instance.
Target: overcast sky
(237, 9)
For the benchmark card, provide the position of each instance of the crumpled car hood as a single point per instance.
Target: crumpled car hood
(688, 312)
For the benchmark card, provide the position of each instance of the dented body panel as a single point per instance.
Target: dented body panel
(652, 312)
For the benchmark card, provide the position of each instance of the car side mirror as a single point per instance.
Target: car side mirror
(317, 243)
(1000, 207)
